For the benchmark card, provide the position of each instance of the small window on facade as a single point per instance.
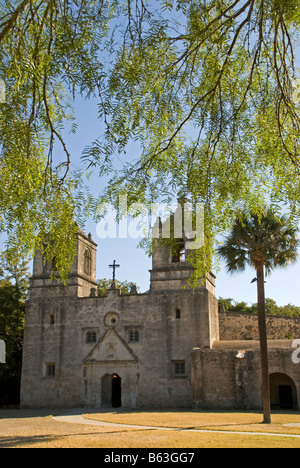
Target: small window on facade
(51, 319)
(179, 368)
(51, 370)
(178, 314)
(87, 262)
(91, 337)
(134, 336)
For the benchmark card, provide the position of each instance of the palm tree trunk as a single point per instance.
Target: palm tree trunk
(263, 345)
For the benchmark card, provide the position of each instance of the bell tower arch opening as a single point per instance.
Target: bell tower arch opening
(178, 254)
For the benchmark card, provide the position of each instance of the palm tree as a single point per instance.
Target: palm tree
(264, 243)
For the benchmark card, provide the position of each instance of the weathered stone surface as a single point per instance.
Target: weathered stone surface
(167, 348)
(238, 382)
(139, 337)
(245, 327)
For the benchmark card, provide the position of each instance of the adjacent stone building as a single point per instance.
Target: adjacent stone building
(161, 349)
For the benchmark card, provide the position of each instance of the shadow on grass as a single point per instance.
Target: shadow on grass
(23, 441)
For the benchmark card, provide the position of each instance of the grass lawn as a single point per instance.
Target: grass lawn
(219, 420)
(37, 429)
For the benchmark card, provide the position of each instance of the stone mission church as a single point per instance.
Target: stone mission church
(167, 348)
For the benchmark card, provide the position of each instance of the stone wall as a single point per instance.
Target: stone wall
(238, 382)
(55, 334)
(235, 326)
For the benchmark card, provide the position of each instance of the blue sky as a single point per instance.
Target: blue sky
(282, 286)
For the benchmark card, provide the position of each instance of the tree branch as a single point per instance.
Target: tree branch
(9, 24)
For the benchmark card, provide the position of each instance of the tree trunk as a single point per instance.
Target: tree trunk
(263, 345)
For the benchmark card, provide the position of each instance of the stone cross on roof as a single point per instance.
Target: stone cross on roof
(114, 266)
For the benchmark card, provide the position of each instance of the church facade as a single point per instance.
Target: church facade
(160, 349)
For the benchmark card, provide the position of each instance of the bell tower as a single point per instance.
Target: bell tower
(197, 307)
(172, 266)
(81, 278)
(171, 269)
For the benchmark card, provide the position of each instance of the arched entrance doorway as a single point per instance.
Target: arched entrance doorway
(283, 392)
(111, 391)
